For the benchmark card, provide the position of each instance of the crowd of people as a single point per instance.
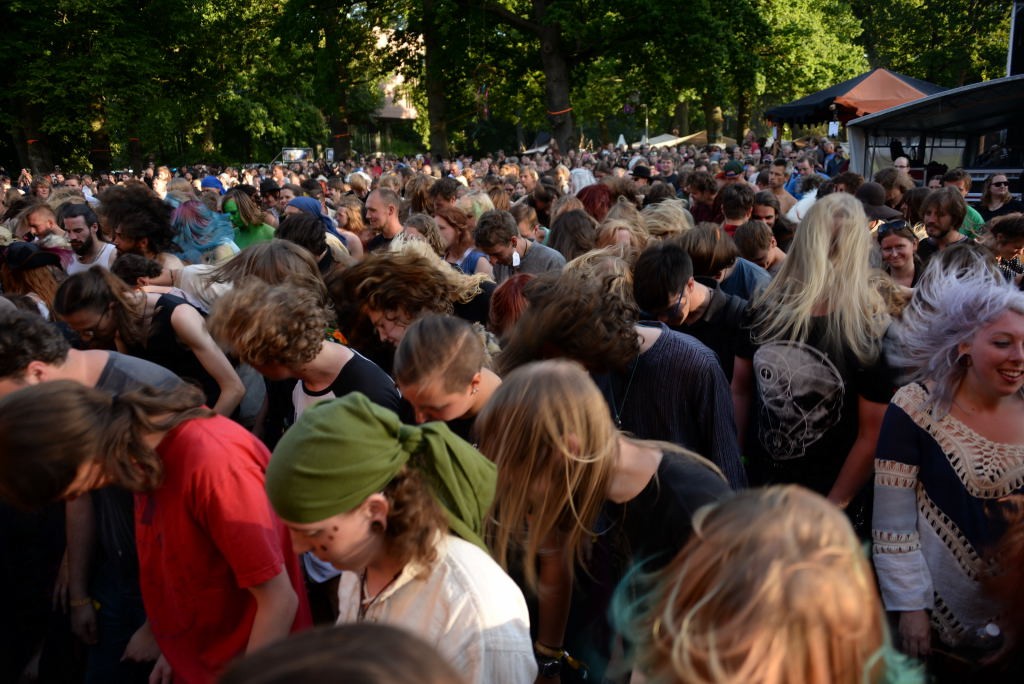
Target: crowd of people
(624, 415)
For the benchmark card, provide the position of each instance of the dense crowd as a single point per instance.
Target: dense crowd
(623, 415)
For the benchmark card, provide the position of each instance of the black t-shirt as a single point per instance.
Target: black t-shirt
(928, 248)
(1011, 207)
(378, 242)
(803, 421)
(358, 375)
(478, 309)
(650, 529)
(721, 326)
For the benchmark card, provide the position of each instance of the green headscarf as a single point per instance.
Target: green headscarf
(340, 452)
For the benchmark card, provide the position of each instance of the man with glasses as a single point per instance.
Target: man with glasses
(665, 290)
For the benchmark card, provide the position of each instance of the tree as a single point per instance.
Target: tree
(948, 42)
(567, 36)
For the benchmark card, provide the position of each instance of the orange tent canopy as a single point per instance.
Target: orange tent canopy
(866, 94)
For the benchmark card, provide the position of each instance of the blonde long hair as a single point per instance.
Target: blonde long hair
(548, 430)
(773, 588)
(826, 268)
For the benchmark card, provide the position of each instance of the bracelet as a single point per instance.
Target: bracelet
(547, 651)
(79, 603)
(558, 654)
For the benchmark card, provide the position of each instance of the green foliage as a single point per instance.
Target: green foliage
(198, 79)
(948, 42)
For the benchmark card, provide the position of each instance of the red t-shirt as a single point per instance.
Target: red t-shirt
(204, 537)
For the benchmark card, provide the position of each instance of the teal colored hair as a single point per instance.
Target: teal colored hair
(197, 230)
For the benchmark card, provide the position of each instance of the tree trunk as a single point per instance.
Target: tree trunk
(33, 148)
(437, 98)
(742, 115)
(337, 119)
(556, 85)
(681, 118)
(712, 124)
(99, 140)
(208, 144)
(341, 134)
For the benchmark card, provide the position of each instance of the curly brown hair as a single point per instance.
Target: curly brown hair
(399, 281)
(572, 317)
(426, 226)
(414, 519)
(264, 323)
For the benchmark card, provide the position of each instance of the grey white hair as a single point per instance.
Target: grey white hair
(954, 299)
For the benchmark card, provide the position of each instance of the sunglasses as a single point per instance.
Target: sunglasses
(893, 226)
(1001, 184)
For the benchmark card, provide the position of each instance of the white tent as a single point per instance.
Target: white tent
(663, 140)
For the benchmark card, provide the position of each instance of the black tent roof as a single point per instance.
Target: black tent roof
(814, 108)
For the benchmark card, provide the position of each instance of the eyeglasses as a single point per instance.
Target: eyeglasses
(1001, 184)
(668, 313)
(89, 334)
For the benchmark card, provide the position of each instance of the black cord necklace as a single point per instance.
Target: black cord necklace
(364, 603)
(617, 408)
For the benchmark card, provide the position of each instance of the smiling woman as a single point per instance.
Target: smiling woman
(950, 450)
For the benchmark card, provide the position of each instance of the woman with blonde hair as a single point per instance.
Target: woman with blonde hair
(809, 386)
(618, 231)
(996, 198)
(666, 219)
(575, 500)
(800, 607)
(349, 216)
(950, 456)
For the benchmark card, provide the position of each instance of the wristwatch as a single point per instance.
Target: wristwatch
(548, 666)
